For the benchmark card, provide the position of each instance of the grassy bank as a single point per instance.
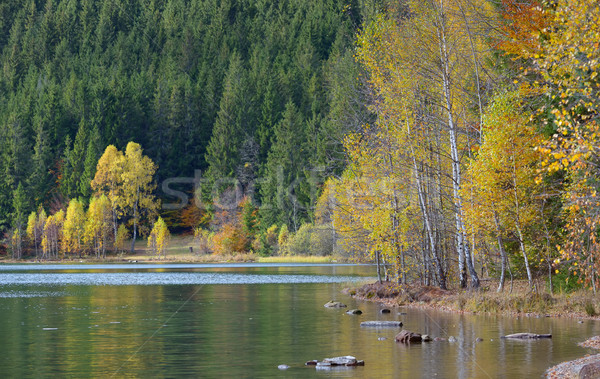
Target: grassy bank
(181, 249)
(520, 301)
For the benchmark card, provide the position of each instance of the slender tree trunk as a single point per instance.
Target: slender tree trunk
(426, 215)
(464, 255)
(378, 266)
(503, 258)
(525, 259)
(548, 249)
(518, 226)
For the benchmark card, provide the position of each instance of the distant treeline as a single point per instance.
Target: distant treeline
(242, 89)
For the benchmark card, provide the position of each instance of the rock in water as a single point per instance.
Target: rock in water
(527, 336)
(334, 304)
(347, 360)
(382, 324)
(354, 312)
(407, 336)
(283, 367)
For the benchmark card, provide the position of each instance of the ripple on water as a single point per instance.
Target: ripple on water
(165, 278)
(22, 294)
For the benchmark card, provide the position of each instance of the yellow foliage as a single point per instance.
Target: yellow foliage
(159, 238)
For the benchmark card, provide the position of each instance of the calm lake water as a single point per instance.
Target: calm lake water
(243, 320)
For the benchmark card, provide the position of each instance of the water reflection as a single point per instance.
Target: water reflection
(81, 328)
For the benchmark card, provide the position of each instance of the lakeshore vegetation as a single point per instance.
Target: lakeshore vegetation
(445, 140)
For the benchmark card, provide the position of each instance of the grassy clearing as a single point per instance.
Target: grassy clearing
(179, 251)
(182, 248)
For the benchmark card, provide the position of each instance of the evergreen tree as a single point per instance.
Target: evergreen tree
(92, 154)
(284, 172)
(223, 151)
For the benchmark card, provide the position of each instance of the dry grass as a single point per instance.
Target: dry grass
(521, 300)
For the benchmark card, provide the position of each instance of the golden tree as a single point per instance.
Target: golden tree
(159, 238)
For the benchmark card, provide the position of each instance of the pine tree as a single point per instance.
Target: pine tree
(92, 155)
(284, 172)
(223, 151)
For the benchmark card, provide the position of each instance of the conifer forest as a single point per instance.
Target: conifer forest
(446, 140)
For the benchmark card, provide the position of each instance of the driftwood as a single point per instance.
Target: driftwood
(382, 324)
(527, 336)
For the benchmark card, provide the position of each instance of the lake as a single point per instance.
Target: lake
(243, 320)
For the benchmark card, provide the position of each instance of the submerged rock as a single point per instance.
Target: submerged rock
(346, 360)
(335, 304)
(406, 336)
(354, 312)
(527, 336)
(382, 324)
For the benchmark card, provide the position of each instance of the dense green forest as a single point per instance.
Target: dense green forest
(445, 140)
(233, 88)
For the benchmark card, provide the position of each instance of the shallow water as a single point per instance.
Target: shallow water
(243, 320)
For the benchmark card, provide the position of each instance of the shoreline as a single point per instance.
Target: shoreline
(474, 301)
(182, 259)
(433, 298)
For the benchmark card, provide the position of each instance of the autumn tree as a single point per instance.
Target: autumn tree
(424, 62)
(52, 235)
(73, 227)
(158, 239)
(501, 180)
(108, 181)
(97, 230)
(555, 45)
(138, 200)
(127, 182)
